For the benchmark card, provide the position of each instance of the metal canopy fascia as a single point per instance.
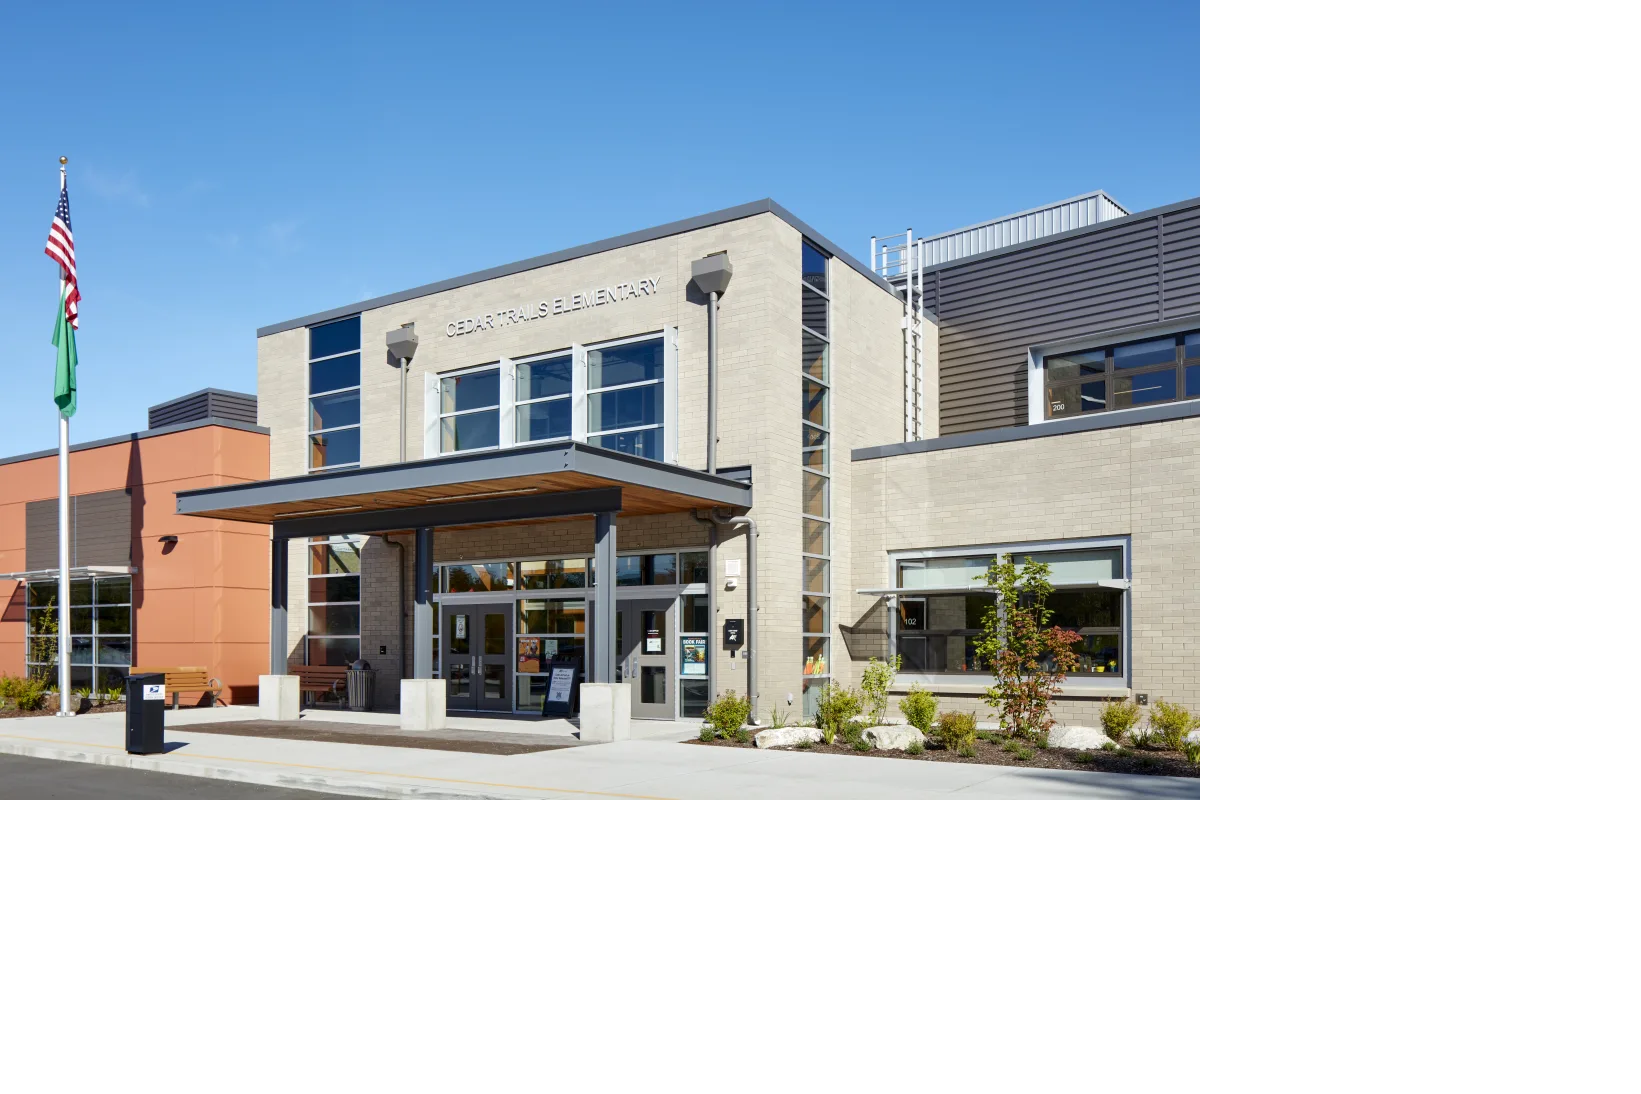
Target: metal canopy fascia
(454, 514)
(337, 487)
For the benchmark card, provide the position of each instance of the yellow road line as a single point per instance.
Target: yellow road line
(357, 771)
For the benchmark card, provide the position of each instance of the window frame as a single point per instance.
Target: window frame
(307, 633)
(357, 388)
(94, 635)
(1108, 341)
(499, 408)
(1075, 682)
(512, 365)
(823, 597)
(664, 397)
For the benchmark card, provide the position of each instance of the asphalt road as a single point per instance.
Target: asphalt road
(31, 779)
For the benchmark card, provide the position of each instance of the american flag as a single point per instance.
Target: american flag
(60, 246)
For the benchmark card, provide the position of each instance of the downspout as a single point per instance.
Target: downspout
(403, 608)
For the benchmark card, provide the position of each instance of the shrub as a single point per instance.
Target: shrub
(955, 731)
(727, 715)
(1172, 724)
(27, 692)
(874, 686)
(1029, 658)
(915, 748)
(805, 744)
(1108, 747)
(854, 734)
(919, 707)
(966, 750)
(1020, 750)
(836, 708)
(1117, 719)
(1085, 757)
(1193, 752)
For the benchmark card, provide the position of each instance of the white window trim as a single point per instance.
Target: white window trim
(1080, 684)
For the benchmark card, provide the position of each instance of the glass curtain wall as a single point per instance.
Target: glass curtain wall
(333, 395)
(333, 600)
(817, 476)
(99, 615)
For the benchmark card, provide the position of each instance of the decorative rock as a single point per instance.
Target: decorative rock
(896, 737)
(1086, 738)
(786, 736)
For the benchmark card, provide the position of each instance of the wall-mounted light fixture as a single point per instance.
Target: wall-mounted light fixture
(168, 541)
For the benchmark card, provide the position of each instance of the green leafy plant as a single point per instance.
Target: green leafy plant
(1020, 750)
(1173, 725)
(1028, 657)
(26, 692)
(954, 730)
(777, 717)
(920, 707)
(805, 744)
(1117, 719)
(727, 716)
(853, 733)
(1193, 752)
(1109, 747)
(1085, 757)
(835, 709)
(43, 645)
(874, 686)
(966, 750)
(915, 748)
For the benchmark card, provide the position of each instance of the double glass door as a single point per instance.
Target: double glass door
(473, 656)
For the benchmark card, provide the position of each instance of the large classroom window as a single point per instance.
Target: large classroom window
(470, 410)
(542, 401)
(333, 600)
(333, 395)
(941, 601)
(101, 626)
(1127, 374)
(626, 398)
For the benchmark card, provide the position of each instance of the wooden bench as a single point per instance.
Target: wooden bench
(187, 678)
(320, 679)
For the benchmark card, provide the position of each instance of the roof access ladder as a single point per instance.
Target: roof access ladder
(901, 264)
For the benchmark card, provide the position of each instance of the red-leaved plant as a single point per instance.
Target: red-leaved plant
(1029, 658)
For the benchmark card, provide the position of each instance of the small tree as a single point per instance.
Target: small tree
(1029, 658)
(43, 646)
(874, 685)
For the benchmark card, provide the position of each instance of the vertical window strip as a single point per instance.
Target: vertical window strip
(333, 395)
(815, 438)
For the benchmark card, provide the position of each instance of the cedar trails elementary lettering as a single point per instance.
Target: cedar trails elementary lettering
(558, 305)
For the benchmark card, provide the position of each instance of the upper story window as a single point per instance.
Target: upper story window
(470, 410)
(543, 398)
(1113, 377)
(619, 395)
(625, 398)
(333, 395)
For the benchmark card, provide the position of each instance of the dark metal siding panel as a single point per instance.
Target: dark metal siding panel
(99, 530)
(232, 407)
(102, 529)
(992, 310)
(189, 409)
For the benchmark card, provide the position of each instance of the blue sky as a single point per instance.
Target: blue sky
(230, 167)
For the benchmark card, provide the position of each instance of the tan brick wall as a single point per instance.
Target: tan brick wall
(759, 415)
(1140, 481)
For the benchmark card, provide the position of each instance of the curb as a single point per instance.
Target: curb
(283, 779)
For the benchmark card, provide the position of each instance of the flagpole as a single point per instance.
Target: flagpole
(65, 629)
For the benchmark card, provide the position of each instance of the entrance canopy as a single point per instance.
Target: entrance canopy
(520, 484)
(556, 480)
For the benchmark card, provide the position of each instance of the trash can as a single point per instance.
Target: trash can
(361, 686)
(145, 712)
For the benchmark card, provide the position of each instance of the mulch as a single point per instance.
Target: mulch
(1128, 761)
(51, 708)
(347, 733)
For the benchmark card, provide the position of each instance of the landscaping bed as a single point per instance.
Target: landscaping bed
(9, 710)
(1127, 761)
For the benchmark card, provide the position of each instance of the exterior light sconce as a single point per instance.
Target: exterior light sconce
(168, 542)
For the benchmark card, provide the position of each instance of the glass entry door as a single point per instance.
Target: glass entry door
(474, 640)
(645, 637)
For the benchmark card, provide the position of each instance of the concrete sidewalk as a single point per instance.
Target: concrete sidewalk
(201, 742)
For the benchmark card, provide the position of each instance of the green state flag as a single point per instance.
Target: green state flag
(67, 394)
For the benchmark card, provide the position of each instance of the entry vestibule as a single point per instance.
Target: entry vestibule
(549, 482)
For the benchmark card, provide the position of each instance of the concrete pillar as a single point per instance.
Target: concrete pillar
(279, 595)
(422, 704)
(421, 623)
(603, 666)
(606, 712)
(278, 698)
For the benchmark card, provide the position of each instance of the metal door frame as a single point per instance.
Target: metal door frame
(477, 609)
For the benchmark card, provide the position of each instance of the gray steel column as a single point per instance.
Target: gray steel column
(603, 666)
(279, 596)
(421, 624)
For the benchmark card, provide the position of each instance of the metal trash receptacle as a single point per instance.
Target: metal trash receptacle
(145, 712)
(361, 688)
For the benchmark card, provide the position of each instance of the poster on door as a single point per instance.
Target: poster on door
(461, 625)
(694, 655)
(652, 633)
